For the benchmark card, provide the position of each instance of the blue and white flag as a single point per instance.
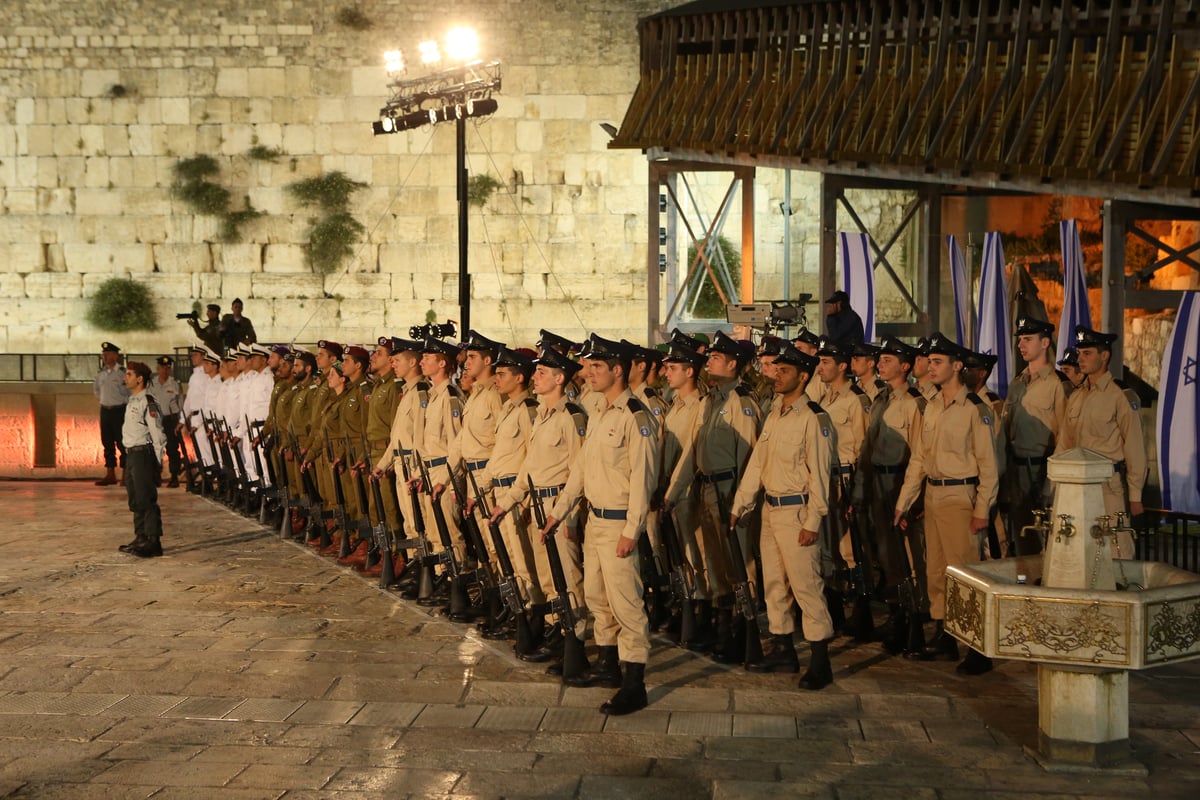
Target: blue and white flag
(994, 335)
(858, 278)
(1179, 411)
(1075, 297)
(962, 292)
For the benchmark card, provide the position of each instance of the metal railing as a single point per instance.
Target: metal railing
(76, 368)
(1170, 537)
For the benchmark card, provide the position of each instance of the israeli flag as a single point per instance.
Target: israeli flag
(1179, 411)
(1075, 298)
(858, 279)
(994, 334)
(962, 292)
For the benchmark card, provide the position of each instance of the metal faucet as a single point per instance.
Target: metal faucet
(1121, 527)
(1065, 528)
(1102, 528)
(1040, 526)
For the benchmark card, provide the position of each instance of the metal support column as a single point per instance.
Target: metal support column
(653, 278)
(1116, 222)
(831, 189)
(747, 236)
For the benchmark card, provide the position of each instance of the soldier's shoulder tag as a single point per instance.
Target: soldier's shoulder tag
(985, 412)
(640, 415)
(579, 417)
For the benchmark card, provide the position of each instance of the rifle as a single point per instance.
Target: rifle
(574, 659)
(381, 533)
(459, 602)
(743, 595)
(190, 470)
(363, 524)
(860, 580)
(485, 575)
(508, 590)
(656, 579)
(338, 509)
(258, 484)
(243, 477)
(229, 495)
(912, 599)
(424, 553)
(206, 471)
(681, 576)
(280, 487)
(310, 497)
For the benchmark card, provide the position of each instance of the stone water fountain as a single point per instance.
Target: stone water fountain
(1084, 617)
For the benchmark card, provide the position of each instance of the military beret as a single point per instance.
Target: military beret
(399, 345)
(281, 350)
(433, 345)
(550, 340)
(1086, 337)
(214, 307)
(1029, 326)
(682, 354)
(788, 354)
(361, 354)
(258, 350)
(943, 346)
(865, 350)
(555, 360)
(480, 343)
(740, 349)
(109, 347)
(515, 359)
(307, 357)
(770, 346)
(598, 348)
(808, 337)
(1070, 358)
(692, 342)
(333, 348)
(828, 347)
(165, 361)
(974, 360)
(893, 346)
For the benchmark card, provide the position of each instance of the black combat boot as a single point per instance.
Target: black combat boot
(896, 630)
(976, 663)
(731, 638)
(605, 672)
(138, 542)
(550, 649)
(820, 671)
(837, 609)
(861, 626)
(704, 638)
(149, 548)
(780, 656)
(942, 647)
(632, 695)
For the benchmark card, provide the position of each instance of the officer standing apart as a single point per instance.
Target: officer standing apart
(110, 389)
(169, 395)
(956, 460)
(791, 464)
(1101, 417)
(615, 471)
(142, 435)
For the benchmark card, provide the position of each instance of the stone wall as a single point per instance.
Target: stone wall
(97, 106)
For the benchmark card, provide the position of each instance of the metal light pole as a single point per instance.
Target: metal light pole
(464, 275)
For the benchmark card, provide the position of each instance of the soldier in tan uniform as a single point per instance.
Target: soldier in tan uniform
(920, 372)
(1070, 368)
(864, 366)
(726, 431)
(768, 351)
(976, 371)
(807, 343)
(616, 472)
(1101, 417)
(893, 432)
(1034, 412)
(846, 406)
(555, 439)
(956, 461)
(791, 466)
(682, 368)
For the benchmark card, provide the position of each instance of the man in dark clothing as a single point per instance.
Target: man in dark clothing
(236, 329)
(842, 323)
(210, 332)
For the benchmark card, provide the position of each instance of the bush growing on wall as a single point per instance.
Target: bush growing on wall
(121, 304)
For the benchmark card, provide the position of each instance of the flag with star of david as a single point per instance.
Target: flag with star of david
(994, 334)
(962, 292)
(1179, 411)
(858, 279)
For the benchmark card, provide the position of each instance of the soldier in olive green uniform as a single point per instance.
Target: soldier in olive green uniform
(381, 411)
(355, 404)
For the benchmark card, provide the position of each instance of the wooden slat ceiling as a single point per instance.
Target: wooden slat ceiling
(1098, 94)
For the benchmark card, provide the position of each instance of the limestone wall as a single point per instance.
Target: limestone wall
(98, 102)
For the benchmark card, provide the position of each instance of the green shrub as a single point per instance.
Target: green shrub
(709, 305)
(332, 240)
(122, 305)
(480, 189)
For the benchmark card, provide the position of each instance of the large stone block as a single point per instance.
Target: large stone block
(23, 257)
(239, 257)
(20, 201)
(12, 285)
(233, 82)
(108, 257)
(359, 285)
(285, 258)
(97, 82)
(176, 287)
(183, 258)
(369, 314)
(268, 286)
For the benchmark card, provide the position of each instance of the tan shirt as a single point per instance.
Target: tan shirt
(845, 410)
(438, 423)
(656, 407)
(1100, 418)
(381, 409)
(956, 442)
(617, 467)
(677, 443)
(793, 456)
(555, 438)
(1034, 412)
(477, 434)
(512, 438)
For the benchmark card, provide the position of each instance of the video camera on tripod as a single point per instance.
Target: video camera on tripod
(770, 315)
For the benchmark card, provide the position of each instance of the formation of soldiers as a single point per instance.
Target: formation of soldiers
(681, 488)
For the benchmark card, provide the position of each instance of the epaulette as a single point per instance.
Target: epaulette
(530, 402)
(641, 415)
(863, 398)
(579, 417)
(649, 390)
(1135, 402)
(457, 399)
(531, 408)
(423, 394)
(152, 405)
(921, 399)
(747, 398)
(985, 409)
(823, 418)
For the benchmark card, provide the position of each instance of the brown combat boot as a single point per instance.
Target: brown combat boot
(109, 479)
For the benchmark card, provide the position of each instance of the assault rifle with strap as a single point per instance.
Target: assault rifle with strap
(574, 659)
(422, 555)
(382, 534)
(459, 600)
(682, 577)
(743, 595)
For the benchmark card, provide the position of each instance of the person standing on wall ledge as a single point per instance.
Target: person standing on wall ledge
(144, 441)
(236, 329)
(210, 332)
(842, 323)
(109, 388)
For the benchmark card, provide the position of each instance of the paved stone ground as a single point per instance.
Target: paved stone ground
(242, 666)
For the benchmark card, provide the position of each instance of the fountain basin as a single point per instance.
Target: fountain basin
(1155, 621)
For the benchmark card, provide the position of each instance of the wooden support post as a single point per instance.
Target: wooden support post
(1116, 221)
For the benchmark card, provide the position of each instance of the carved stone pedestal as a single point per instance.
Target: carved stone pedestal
(1083, 720)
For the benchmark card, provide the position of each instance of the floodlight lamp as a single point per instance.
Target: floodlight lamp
(393, 61)
(462, 44)
(429, 52)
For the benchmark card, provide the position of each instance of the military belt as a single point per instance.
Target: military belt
(842, 469)
(504, 483)
(139, 447)
(717, 477)
(550, 491)
(1029, 461)
(1118, 466)
(786, 500)
(477, 465)
(430, 463)
(971, 481)
(609, 513)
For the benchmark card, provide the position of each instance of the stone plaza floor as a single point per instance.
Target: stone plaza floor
(243, 666)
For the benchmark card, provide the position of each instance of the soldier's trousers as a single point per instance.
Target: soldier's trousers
(1025, 484)
(391, 511)
(948, 538)
(613, 587)
(112, 419)
(883, 490)
(141, 474)
(791, 571)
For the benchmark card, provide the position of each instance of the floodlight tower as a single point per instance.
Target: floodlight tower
(459, 91)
